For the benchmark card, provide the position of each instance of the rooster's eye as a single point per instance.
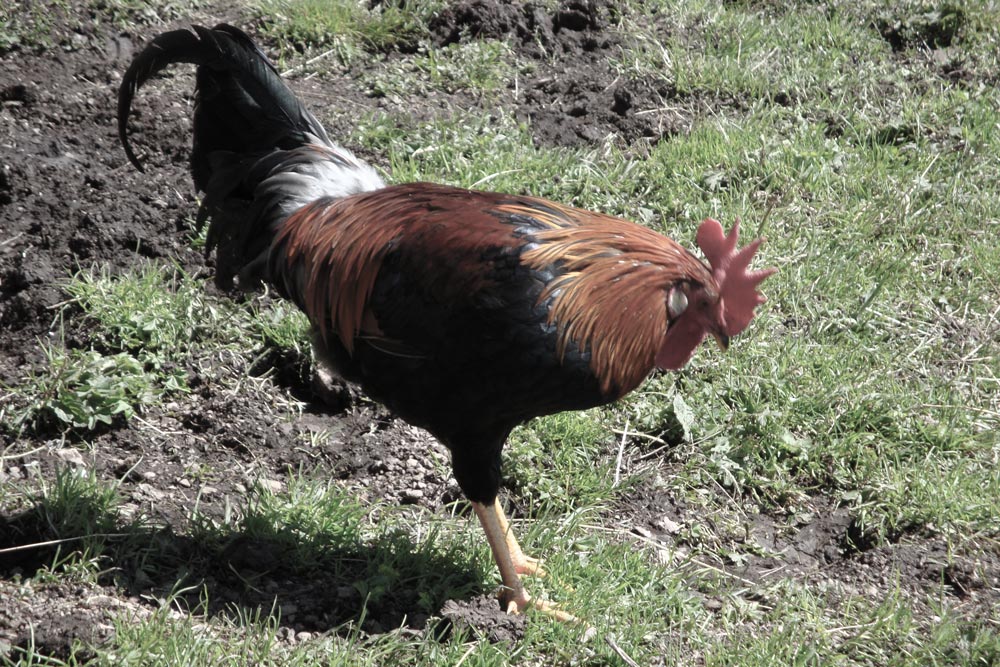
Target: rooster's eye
(677, 303)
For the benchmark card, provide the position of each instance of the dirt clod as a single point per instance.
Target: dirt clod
(483, 616)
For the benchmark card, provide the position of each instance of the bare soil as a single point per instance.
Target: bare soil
(68, 200)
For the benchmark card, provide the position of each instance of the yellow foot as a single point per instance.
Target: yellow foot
(528, 565)
(522, 564)
(517, 605)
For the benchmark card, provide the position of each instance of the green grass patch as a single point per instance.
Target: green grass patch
(153, 308)
(144, 329)
(565, 461)
(84, 389)
(254, 640)
(345, 27)
(491, 150)
(317, 525)
(26, 24)
(481, 67)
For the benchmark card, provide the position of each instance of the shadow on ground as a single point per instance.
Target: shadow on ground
(321, 583)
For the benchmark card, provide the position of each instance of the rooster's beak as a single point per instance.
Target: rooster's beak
(722, 339)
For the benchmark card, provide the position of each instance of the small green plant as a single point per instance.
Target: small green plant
(25, 24)
(282, 325)
(141, 323)
(153, 308)
(84, 388)
(309, 519)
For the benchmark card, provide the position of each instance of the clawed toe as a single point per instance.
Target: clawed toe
(529, 566)
(516, 605)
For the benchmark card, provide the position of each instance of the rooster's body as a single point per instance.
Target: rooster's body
(466, 313)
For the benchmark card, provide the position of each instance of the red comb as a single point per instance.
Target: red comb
(737, 286)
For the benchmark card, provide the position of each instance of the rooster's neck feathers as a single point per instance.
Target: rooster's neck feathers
(609, 293)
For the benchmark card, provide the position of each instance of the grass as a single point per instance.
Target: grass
(143, 326)
(344, 27)
(127, 14)
(25, 25)
(482, 67)
(82, 389)
(869, 382)
(28, 25)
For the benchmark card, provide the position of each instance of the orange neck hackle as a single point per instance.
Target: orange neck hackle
(610, 296)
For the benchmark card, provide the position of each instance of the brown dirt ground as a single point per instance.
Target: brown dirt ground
(68, 199)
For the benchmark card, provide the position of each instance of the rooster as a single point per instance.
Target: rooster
(464, 312)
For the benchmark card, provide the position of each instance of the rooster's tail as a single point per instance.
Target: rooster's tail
(258, 154)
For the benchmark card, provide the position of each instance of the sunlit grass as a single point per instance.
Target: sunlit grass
(346, 28)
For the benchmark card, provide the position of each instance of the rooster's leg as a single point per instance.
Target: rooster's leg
(514, 595)
(522, 564)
